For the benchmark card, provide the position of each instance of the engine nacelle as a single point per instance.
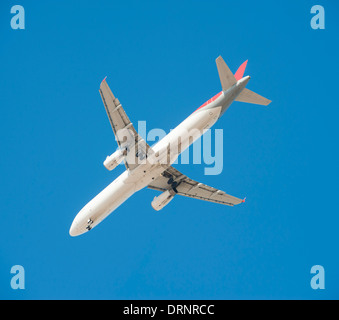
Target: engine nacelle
(114, 160)
(164, 199)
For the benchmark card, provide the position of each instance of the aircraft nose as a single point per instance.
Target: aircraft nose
(81, 222)
(77, 228)
(73, 231)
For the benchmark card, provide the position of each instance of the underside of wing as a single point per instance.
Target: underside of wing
(126, 136)
(172, 179)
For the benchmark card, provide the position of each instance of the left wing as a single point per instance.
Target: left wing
(126, 136)
(171, 178)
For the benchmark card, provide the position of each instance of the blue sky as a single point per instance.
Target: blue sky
(159, 59)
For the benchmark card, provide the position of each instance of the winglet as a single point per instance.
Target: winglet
(243, 200)
(104, 79)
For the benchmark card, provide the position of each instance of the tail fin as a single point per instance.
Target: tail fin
(240, 72)
(227, 80)
(226, 76)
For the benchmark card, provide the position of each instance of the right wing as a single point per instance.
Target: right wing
(171, 178)
(125, 134)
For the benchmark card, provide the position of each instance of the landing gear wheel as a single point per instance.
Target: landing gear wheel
(89, 226)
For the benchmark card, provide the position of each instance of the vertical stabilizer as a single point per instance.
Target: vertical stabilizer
(240, 72)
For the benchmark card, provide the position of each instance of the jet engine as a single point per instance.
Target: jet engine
(114, 160)
(164, 199)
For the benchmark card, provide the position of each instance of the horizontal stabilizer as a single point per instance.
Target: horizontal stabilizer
(226, 76)
(249, 96)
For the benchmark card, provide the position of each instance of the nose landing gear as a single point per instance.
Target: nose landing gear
(89, 224)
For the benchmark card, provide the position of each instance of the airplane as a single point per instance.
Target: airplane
(150, 166)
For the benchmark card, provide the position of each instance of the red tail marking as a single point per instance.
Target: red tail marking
(240, 72)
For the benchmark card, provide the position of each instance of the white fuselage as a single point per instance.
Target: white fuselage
(129, 182)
